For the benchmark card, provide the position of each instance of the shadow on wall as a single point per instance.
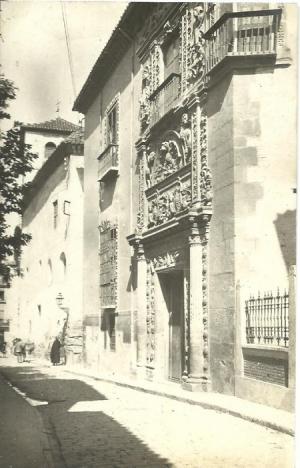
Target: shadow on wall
(107, 190)
(86, 437)
(285, 225)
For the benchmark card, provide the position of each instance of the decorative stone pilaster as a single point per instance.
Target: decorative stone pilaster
(141, 149)
(201, 176)
(198, 376)
(142, 307)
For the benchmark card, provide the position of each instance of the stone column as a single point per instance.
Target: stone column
(142, 308)
(196, 379)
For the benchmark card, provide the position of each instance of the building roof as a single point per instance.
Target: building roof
(55, 125)
(122, 36)
(76, 137)
(72, 145)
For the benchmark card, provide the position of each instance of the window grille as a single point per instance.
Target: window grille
(267, 319)
(108, 265)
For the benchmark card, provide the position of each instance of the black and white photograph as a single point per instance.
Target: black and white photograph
(148, 193)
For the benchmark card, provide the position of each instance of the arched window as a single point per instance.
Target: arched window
(63, 266)
(49, 148)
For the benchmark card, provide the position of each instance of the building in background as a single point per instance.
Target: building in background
(45, 299)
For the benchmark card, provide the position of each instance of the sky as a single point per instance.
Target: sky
(34, 53)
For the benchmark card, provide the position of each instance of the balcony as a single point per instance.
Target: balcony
(164, 98)
(108, 162)
(242, 33)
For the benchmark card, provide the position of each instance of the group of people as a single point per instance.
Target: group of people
(23, 350)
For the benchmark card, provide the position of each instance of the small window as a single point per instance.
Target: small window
(55, 214)
(49, 149)
(39, 310)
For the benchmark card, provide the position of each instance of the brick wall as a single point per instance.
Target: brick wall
(267, 369)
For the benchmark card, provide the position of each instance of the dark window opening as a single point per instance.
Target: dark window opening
(171, 57)
(112, 127)
(49, 149)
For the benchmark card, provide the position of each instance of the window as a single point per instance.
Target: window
(39, 310)
(111, 130)
(111, 122)
(171, 57)
(49, 149)
(55, 213)
(108, 264)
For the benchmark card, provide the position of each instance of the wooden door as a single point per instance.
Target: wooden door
(175, 309)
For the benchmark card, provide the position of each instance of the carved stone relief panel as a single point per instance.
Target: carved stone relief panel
(168, 253)
(192, 45)
(201, 175)
(142, 186)
(153, 72)
(152, 25)
(163, 206)
(169, 153)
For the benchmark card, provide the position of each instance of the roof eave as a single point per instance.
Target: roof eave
(104, 64)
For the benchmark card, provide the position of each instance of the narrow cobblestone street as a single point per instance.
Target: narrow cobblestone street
(92, 424)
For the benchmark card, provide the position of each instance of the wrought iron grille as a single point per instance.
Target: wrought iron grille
(267, 319)
(108, 265)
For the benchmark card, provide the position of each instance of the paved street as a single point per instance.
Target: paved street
(94, 424)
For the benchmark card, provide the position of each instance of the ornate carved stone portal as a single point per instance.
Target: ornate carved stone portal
(175, 185)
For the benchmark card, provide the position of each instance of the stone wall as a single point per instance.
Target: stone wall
(221, 238)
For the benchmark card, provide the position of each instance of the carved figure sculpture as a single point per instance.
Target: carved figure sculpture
(206, 186)
(197, 48)
(150, 157)
(186, 137)
(144, 99)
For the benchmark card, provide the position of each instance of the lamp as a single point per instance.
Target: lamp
(59, 299)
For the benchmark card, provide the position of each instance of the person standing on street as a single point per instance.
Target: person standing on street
(55, 352)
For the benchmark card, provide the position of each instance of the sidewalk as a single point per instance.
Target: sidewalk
(276, 419)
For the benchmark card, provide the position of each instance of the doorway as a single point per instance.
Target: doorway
(172, 288)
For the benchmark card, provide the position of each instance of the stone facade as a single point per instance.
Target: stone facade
(181, 157)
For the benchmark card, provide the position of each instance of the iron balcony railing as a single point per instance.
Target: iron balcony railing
(267, 320)
(108, 162)
(242, 33)
(164, 97)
